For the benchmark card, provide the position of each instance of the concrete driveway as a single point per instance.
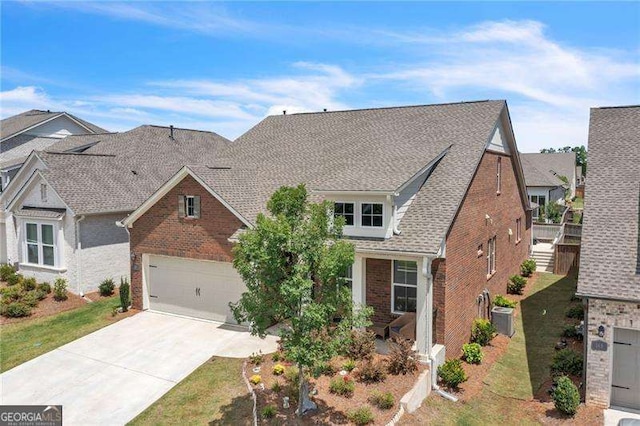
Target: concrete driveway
(110, 376)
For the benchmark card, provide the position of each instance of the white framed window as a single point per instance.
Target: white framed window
(518, 229)
(43, 192)
(189, 206)
(40, 244)
(491, 256)
(346, 210)
(347, 277)
(372, 215)
(540, 200)
(405, 286)
(499, 175)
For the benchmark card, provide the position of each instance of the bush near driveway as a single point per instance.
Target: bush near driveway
(60, 289)
(566, 397)
(567, 362)
(6, 271)
(452, 373)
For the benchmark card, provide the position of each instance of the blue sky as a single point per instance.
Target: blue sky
(224, 67)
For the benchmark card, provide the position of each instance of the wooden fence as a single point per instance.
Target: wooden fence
(580, 191)
(572, 230)
(567, 257)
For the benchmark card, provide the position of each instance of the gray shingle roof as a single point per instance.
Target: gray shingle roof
(20, 146)
(17, 123)
(363, 150)
(537, 168)
(50, 214)
(124, 169)
(609, 263)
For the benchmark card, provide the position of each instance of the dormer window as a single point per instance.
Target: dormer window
(346, 210)
(189, 206)
(372, 215)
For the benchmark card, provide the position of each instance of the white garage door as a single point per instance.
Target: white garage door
(625, 381)
(195, 288)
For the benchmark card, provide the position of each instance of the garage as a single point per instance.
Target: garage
(625, 380)
(194, 288)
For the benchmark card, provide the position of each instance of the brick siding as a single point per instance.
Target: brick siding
(378, 279)
(466, 271)
(160, 231)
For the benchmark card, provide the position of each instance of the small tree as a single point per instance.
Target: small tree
(124, 294)
(291, 264)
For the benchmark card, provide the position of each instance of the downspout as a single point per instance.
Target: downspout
(78, 251)
(396, 231)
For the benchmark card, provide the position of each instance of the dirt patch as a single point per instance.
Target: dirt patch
(47, 307)
(332, 409)
(94, 296)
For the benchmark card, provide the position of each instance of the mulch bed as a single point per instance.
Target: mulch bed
(332, 409)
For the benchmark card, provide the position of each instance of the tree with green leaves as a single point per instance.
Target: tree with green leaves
(292, 264)
(581, 155)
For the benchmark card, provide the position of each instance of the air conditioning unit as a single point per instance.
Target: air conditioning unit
(502, 320)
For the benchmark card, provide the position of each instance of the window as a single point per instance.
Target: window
(43, 192)
(345, 210)
(372, 215)
(498, 175)
(189, 206)
(405, 286)
(40, 245)
(540, 200)
(348, 277)
(518, 229)
(491, 256)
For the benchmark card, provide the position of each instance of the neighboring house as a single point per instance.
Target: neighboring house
(62, 206)
(433, 197)
(609, 277)
(35, 130)
(542, 174)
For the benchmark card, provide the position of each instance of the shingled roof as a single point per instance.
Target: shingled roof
(544, 169)
(609, 257)
(18, 123)
(363, 150)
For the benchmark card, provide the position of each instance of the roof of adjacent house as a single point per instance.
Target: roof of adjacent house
(544, 169)
(364, 151)
(18, 123)
(123, 169)
(609, 257)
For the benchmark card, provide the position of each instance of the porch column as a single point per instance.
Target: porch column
(423, 311)
(358, 285)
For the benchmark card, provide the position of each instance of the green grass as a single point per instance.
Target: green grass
(525, 365)
(26, 340)
(213, 394)
(578, 203)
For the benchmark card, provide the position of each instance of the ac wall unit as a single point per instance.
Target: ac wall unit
(502, 320)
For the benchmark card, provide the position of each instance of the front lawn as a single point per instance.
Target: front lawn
(28, 339)
(213, 394)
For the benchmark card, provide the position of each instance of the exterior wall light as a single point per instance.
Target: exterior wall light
(601, 331)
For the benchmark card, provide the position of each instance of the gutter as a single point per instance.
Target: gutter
(426, 272)
(78, 251)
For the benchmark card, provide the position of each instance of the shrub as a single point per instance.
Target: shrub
(292, 375)
(401, 357)
(516, 284)
(482, 331)
(6, 270)
(278, 369)
(29, 284)
(504, 302)
(256, 358)
(30, 299)
(124, 294)
(107, 287)
(277, 356)
(472, 353)
(12, 294)
(269, 411)
(60, 289)
(40, 294)
(325, 369)
(566, 396)
(276, 386)
(255, 379)
(452, 373)
(362, 345)
(371, 372)
(343, 386)
(570, 331)
(349, 365)
(16, 309)
(575, 311)
(361, 416)
(528, 267)
(383, 401)
(14, 279)
(46, 287)
(566, 362)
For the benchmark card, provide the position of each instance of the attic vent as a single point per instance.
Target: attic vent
(284, 112)
(134, 172)
(171, 131)
(219, 167)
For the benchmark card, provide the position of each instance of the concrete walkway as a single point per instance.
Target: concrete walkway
(613, 416)
(110, 376)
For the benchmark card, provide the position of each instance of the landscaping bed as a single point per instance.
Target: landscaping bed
(332, 408)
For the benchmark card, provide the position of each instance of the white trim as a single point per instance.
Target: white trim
(360, 214)
(46, 121)
(168, 186)
(339, 192)
(22, 171)
(424, 169)
(57, 243)
(45, 267)
(28, 184)
(393, 284)
(355, 213)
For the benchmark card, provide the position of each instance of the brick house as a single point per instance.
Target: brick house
(609, 280)
(433, 197)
